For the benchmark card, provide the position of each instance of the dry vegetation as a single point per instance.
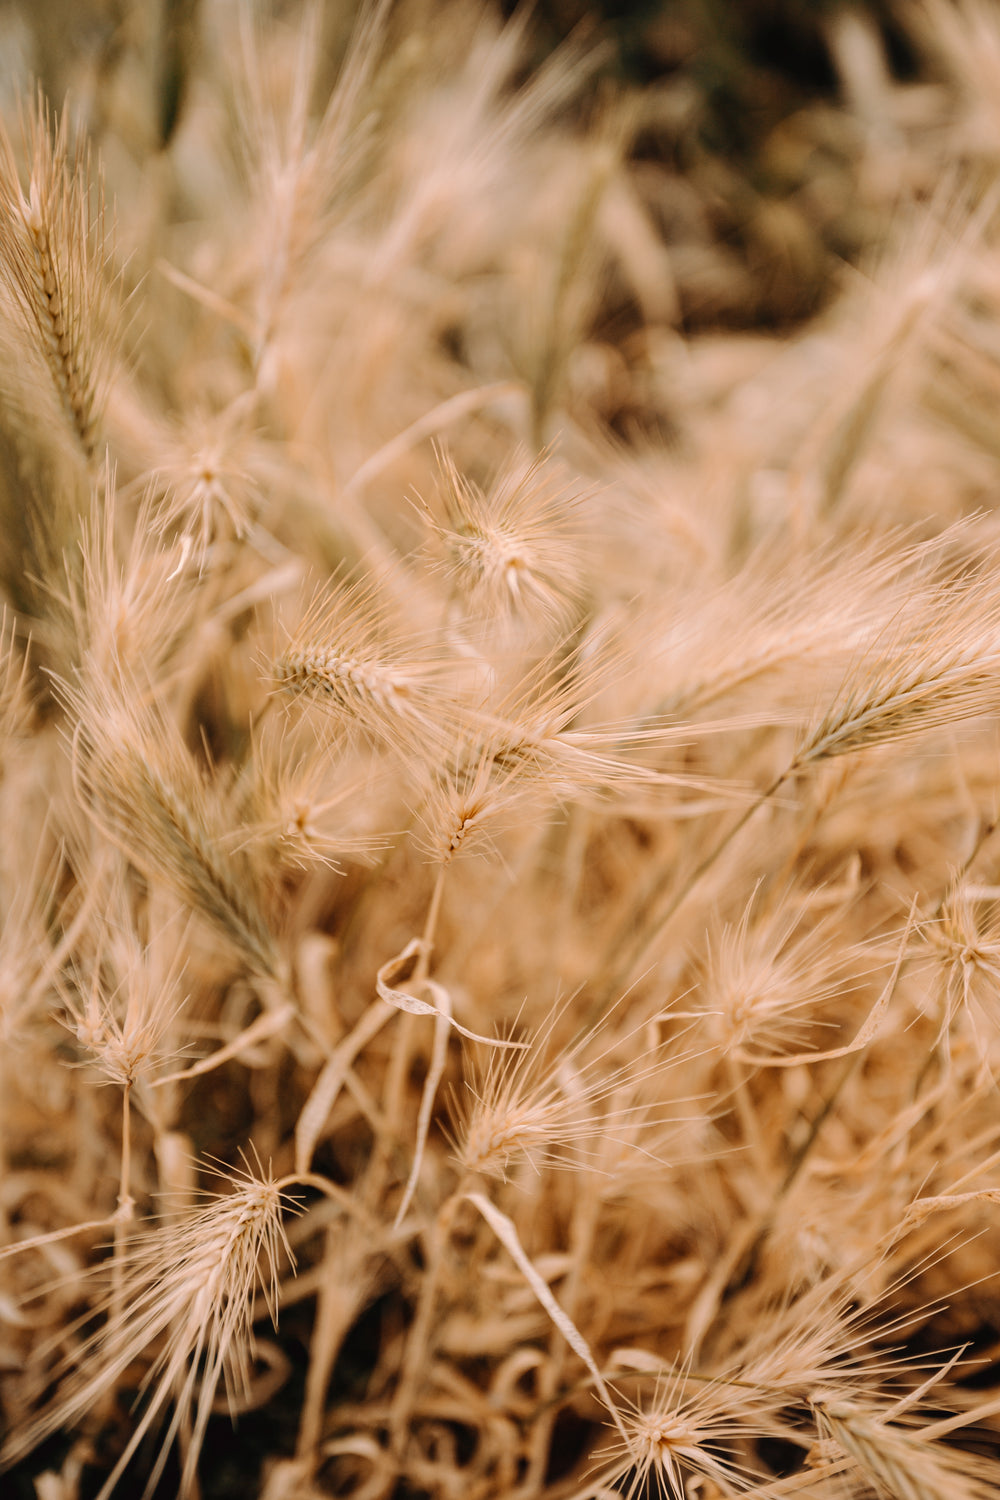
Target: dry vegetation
(499, 891)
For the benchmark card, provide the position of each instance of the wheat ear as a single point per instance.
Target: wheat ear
(137, 780)
(55, 249)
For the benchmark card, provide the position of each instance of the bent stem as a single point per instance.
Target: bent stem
(395, 1091)
(54, 1236)
(506, 1233)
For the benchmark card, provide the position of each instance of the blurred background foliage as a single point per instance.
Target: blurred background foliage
(744, 100)
(749, 127)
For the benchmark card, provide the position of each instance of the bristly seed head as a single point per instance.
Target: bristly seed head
(189, 1293)
(679, 1435)
(511, 553)
(345, 656)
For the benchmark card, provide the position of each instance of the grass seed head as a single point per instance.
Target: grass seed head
(142, 787)
(511, 553)
(346, 657)
(681, 1433)
(186, 1309)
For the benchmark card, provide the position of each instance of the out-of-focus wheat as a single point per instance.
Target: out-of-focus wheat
(433, 505)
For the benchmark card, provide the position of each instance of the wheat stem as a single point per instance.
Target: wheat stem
(645, 922)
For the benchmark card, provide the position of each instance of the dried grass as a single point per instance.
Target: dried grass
(520, 766)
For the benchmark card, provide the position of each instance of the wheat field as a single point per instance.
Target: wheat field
(499, 762)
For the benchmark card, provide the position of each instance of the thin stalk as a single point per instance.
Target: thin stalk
(415, 1358)
(451, 410)
(583, 1228)
(373, 884)
(399, 1062)
(430, 926)
(645, 921)
(739, 1081)
(560, 331)
(316, 1110)
(747, 1263)
(124, 1212)
(986, 832)
(337, 1306)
